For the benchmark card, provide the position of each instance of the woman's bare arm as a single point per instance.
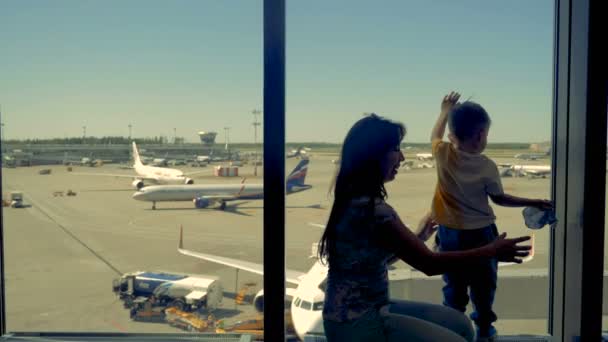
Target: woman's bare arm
(399, 239)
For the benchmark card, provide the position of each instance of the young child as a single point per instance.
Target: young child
(466, 178)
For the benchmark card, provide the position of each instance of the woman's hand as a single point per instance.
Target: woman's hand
(426, 227)
(509, 250)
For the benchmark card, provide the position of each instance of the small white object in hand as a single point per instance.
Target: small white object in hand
(537, 218)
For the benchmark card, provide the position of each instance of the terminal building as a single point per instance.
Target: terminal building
(207, 138)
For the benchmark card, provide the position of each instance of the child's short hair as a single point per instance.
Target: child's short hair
(466, 119)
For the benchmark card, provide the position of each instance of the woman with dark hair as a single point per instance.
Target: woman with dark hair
(364, 235)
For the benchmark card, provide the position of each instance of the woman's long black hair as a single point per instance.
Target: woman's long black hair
(360, 171)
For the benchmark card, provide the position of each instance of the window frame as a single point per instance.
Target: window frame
(274, 170)
(579, 91)
(579, 177)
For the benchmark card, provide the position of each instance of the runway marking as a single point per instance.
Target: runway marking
(118, 326)
(38, 207)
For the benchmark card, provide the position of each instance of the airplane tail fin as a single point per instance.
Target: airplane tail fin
(136, 159)
(297, 177)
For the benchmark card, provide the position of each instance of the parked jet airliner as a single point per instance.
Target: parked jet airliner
(533, 156)
(204, 195)
(150, 174)
(424, 156)
(525, 170)
(309, 294)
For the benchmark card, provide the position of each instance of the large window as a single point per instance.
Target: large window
(399, 60)
(81, 81)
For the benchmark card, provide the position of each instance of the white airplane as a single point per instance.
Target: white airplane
(150, 174)
(308, 296)
(298, 152)
(206, 194)
(84, 161)
(160, 161)
(424, 156)
(203, 159)
(526, 170)
(532, 156)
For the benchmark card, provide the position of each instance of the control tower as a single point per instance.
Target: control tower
(207, 138)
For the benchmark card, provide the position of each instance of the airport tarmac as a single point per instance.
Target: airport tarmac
(62, 253)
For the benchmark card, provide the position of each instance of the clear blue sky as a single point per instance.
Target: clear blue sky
(197, 65)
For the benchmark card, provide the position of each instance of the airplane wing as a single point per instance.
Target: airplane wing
(290, 291)
(105, 174)
(196, 172)
(536, 172)
(154, 179)
(225, 198)
(292, 277)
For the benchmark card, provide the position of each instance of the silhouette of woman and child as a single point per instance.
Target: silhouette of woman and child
(364, 234)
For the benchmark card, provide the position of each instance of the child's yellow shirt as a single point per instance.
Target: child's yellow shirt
(464, 181)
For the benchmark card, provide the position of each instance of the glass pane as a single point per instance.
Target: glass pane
(399, 59)
(80, 82)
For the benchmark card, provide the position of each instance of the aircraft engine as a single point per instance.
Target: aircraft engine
(201, 202)
(189, 181)
(138, 184)
(258, 301)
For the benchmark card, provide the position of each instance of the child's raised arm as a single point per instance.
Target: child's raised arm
(449, 101)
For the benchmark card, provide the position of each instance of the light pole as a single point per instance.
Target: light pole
(130, 132)
(84, 133)
(174, 135)
(1, 131)
(226, 140)
(256, 123)
(2, 136)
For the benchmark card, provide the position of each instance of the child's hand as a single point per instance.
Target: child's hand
(544, 204)
(449, 101)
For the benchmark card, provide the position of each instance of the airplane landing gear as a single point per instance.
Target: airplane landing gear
(222, 205)
(153, 205)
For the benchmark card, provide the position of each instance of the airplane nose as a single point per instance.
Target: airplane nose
(140, 195)
(314, 325)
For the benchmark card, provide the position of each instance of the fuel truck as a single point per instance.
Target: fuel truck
(182, 291)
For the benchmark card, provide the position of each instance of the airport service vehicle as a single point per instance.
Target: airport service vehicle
(143, 309)
(185, 320)
(182, 291)
(17, 199)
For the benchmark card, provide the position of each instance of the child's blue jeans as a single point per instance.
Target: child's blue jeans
(479, 277)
